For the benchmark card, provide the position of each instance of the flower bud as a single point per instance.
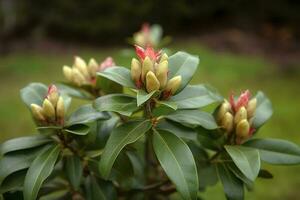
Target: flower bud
(53, 95)
(92, 67)
(78, 78)
(227, 122)
(147, 66)
(60, 108)
(151, 82)
(37, 112)
(224, 108)
(242, 129)
(162, 73)
(81, 66)
(136, 70)
(164, 57)
(173, 84)
(67, 71)
(251, 107)
(240, 115)
(48, 109)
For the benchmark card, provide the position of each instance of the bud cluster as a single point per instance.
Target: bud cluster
(143, 37)
(151, 72)
(52, 111)
(82, 73)
(236, 117)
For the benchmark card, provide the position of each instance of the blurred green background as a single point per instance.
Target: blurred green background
(241, 45)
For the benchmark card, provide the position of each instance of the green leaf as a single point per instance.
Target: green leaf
(74, 170)
(235, 170)
(263, 110)
(195, 96)
(183, 64)
(177, 129)
(13, 182)
(193, 118)
(108, 86)
(16, 161)
(34, 93)
(120, 137)
(54, 195)
(39, 170)
(233, 187)
(169, 104)
(265, 174)
(120, 75)
(120, 103)
(73, 91)
(143, 96)
(246, 159)
(23, 143)
(96, 190)
(178, 162)
(85, 114)
(78, 129)
(276, 151)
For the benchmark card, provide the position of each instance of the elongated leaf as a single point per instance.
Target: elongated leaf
(276, 151)
(74, 170)
(39, 170)
(85, 114)
(120, 75)
(263, 110)
(23, 143)
(13, 182)
(34, 93)
(195, 96)
(54, 195)
(120, 103)
(143, 96)
(233, 187)
(169, 104)
(119, 138)
(73, 91)
(178, 162)
(246, 159)
(183, 64)
(235, 170)
(78, 129)
(98, 190)
(193, 118)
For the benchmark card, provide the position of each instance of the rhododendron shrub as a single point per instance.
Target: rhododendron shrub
(153, 140)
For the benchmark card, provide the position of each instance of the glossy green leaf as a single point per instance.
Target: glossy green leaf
(98, 190)
(119, 138)
(183, 64)
(85, 114)
(120, 75)
(246, 159)
(34, 93)
(21, 143)
(233, 187)
(276, 151)
(74, 170)
(54, 195)
(235, 170)
(195, 96)
(143, 96)
(39, 170)
(193, 118)
(73, 91)
(14, 182)
(78, 129)
(263, 110)
(120, 103)
(178, 162)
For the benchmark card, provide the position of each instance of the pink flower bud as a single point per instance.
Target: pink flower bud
(108, 62)
(148, 52)
(241, 102)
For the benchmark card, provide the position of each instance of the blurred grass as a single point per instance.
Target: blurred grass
(224, 71)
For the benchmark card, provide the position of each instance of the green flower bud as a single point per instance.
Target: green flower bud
(162, 73)
(136, 70)
(37, 112)
(60, 108)
(82, 67)
(48, 109)
(67, 71)
(227, 122)
(164, 57)
(78, 78)
(173, 85)
(224, 108)
(242, 129)
(240, 115)
(151, 82)
(93, 67)
(251, 107)
(147, 66)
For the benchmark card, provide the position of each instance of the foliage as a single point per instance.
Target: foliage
(151, 141)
